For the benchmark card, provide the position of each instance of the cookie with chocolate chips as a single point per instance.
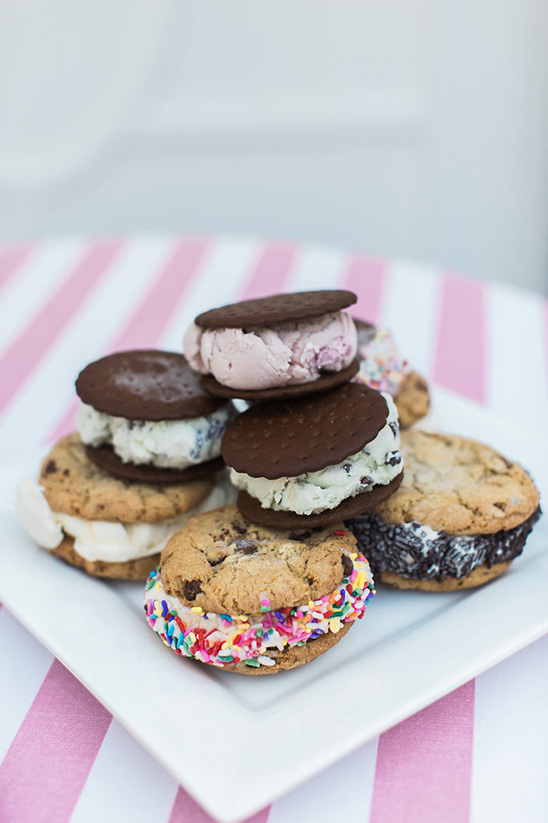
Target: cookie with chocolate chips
(255, 600)
(106, 526)
(461, 515)
(315, 460)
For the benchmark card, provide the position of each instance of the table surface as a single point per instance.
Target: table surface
(478, 754)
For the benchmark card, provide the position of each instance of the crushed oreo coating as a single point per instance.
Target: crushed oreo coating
(411, 550)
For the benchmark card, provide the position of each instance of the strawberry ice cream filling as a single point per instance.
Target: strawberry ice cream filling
(271, 356)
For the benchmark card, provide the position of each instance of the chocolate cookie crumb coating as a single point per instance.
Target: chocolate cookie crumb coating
(412, 552)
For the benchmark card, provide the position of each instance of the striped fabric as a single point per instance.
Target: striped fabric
(476, 755)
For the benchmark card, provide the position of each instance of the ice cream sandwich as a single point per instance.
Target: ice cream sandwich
(107, 526)
(145, 417)
(316, 459)
(460, 517)
(286, 345)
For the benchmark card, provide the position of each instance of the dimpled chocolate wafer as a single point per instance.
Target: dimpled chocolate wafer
(278, 308)
(145, 385)
(328, 380)
(288, 438)
(106, 458)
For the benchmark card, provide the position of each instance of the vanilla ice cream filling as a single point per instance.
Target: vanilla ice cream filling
(278, 355)
(100, 539)
(168, 444)
(378, 463)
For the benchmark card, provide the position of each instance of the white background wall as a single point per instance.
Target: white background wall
(409, 128)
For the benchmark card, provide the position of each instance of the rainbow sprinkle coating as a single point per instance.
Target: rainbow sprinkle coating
(225, 640)
(380, 366)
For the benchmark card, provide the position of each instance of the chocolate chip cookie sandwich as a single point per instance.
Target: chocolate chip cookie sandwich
(285, 345)
(461, 515)
(248, 599)
(145, 417)
(314, 460)
(384, 370)
(105, 525)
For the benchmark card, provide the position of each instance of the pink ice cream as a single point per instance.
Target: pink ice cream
(272, 356)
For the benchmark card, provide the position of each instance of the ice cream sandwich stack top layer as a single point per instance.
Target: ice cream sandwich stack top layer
(285, 345)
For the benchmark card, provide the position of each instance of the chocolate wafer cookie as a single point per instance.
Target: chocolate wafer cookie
(145, 417)
(461, 515)
(286, 345)
(315, 459)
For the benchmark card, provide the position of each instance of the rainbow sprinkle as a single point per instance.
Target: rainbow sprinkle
(225, 640)
(380, 366)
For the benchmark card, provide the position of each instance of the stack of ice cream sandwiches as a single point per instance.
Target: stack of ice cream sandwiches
(252, 481)
(273, 581)
(145, 458)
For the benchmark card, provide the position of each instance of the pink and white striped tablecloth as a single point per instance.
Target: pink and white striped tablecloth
(479, 754)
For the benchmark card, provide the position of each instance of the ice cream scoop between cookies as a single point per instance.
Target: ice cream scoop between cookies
(461, 515)
(253, 600)
(316, 459)
(101, 524)
(285, 343)
(144, 416)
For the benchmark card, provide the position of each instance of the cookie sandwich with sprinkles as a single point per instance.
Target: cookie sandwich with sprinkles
(383, 369)
(107, 526)
(145, 417)
(461, 515)
(252, 600)
(316, 459)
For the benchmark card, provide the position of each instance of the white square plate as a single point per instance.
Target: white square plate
(409, 650)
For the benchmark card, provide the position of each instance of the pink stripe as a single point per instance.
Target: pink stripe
(186, 810)
(424, 765)
(145, 326)
(11, 260)
(271, 272)
(460, 358)
(366, 277)
(41, 332)
(48, 763)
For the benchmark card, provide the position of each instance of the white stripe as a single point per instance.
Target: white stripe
(343, 792)
(50, 389)
(25, 294)
(410, 310)
(317, 268)
(25, 664)
(219, 280)
(125, 783)
(517, 367)
(511, 740)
